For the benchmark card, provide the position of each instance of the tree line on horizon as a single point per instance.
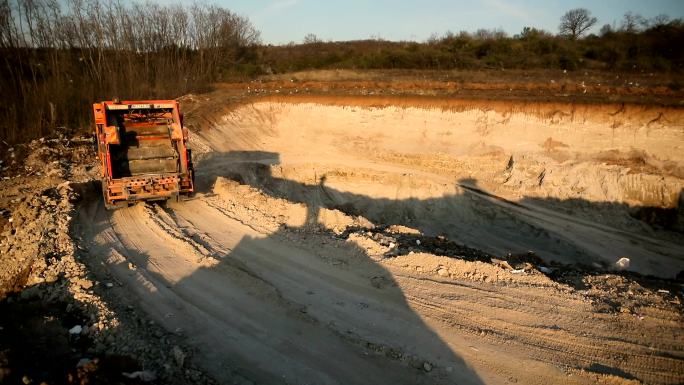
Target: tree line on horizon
(638, 44)
(60, 56)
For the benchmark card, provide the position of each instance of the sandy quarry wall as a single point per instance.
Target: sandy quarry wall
(611, 153)
(573, 183)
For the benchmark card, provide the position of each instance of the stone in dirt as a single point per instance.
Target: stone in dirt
(83, 362)
(622, 263)
(178, 355)
(84, 283)
(142, 375)
(503, 264)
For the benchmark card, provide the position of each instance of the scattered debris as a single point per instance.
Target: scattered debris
(142, 375)
(622, 263)
(502, 263)
(83, 362)
(178, 355)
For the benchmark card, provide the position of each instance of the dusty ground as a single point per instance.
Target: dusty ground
(59, 322)
(355, 240)
(515, 85)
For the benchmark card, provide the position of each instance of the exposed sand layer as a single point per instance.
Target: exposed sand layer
(302, 259)
(573, 184)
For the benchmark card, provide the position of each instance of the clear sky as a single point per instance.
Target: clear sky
(282, 21)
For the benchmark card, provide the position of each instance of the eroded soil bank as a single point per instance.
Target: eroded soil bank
(575, 184)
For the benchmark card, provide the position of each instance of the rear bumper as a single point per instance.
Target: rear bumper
(146, 187)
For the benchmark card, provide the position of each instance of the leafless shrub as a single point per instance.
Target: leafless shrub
(311, 38)
(632, 22)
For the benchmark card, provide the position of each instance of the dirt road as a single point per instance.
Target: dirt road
(283, 268)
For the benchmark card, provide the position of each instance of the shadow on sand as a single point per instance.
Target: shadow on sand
(289, 311)
(332, 315)
(587, 235)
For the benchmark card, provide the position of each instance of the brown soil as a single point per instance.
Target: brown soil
(549, 86)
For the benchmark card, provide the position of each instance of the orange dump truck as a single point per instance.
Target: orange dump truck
(142, 146)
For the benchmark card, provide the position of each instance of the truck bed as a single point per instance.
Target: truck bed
(144, 149)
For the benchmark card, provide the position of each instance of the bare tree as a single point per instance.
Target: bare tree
(434, 38)
(311, 38)
(631, 22)
(606, 30)
(659, 20)
(55, 52)
(576, 22)
(490, 34)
